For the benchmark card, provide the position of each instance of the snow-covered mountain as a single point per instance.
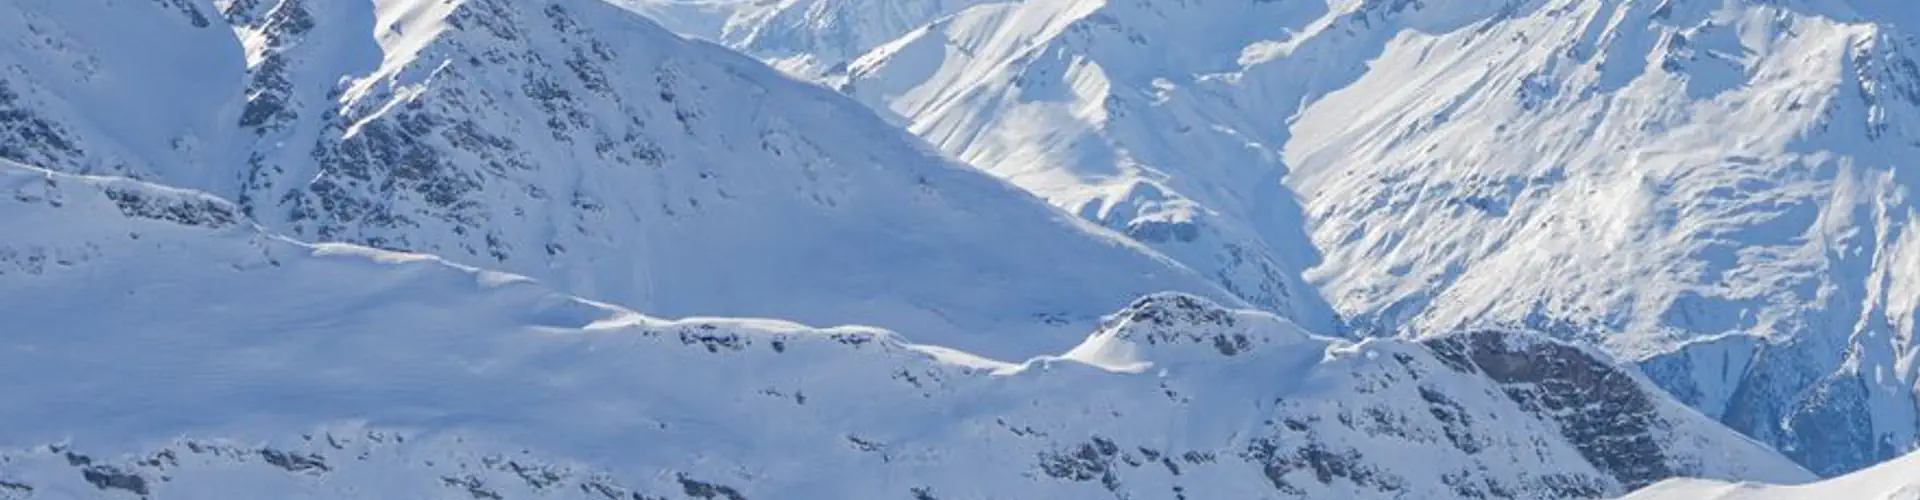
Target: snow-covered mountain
(179, 351)
(1719, 188)
(568, 140)
(1056, 98)
(1897, 479)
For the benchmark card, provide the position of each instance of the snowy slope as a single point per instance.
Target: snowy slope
(703, 19)
(1060, 99)
(1897, 479)
(567, 140)
(807, 38)
(1719, 188)
(219, 361)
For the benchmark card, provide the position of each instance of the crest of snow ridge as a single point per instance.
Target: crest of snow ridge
(133, 199)
(60, 221)
(1897, 479)
(1173, 327)
(854, 398)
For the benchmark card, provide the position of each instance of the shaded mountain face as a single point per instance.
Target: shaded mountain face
(221, 361)
(567, 140)
(1720, 190)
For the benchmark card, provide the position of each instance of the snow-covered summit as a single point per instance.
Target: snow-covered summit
(1170, 328)
(567, 140)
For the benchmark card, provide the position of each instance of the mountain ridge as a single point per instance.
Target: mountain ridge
(1563, 166)
(447, 220)
(226, 360)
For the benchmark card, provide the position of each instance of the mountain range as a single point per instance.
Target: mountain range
(181, 351)
(570, 142)
(1715, 190)
(946, 249)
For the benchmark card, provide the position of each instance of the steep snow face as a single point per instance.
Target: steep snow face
(807, 38)
(223, 362)
(1897, 479)
(1693, 168)
(574, 142)
(1074, 102)
(1719, 188)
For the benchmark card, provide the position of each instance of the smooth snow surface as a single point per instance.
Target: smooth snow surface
(1897, 479)
(178, 351)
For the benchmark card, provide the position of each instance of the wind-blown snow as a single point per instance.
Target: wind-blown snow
(1897, 479)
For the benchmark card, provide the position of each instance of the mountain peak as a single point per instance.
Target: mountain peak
(1172, 328)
